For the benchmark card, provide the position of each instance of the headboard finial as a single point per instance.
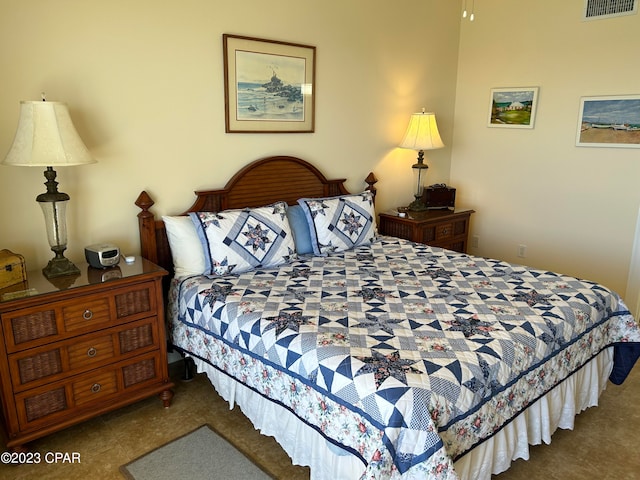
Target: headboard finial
(371, 180)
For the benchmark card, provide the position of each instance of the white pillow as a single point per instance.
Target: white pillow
(236, 241)
(340, 223)
(186, 249)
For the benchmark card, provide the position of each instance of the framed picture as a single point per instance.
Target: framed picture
(612, 121)
(513, 107)
(268, 85)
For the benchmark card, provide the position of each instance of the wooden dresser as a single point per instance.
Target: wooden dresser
(438, 228)
(75, 347)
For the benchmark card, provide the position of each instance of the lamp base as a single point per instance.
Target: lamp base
(417, 205)
(59, 267)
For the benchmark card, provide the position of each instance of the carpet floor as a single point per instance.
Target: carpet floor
(604, 444)
(199, 455)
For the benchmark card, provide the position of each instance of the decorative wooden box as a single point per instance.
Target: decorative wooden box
(12, 268)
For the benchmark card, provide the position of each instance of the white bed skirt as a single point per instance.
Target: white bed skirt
(535, 425)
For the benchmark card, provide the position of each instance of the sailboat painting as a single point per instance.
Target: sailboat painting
(611, 121)
(268, 86)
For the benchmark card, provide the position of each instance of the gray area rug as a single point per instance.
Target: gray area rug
(199, 455)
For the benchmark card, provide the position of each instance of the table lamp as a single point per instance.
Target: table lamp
(422, 134)
(47, 138)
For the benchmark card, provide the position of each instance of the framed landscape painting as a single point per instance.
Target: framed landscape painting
(612, 121)
(513, 107)
(269, 86)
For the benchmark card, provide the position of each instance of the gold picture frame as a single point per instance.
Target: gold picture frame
(269, 86)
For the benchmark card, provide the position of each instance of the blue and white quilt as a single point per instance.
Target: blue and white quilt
(402, 354)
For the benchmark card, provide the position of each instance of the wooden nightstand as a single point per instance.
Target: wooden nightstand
(438, 228)
(73, 348)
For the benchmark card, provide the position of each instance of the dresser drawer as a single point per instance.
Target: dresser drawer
(37, 366)
(443, 231)
(31, 327)
(54, 402)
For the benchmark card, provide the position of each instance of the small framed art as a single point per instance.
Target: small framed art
(612, 121)
(269, 86)
(513, 107)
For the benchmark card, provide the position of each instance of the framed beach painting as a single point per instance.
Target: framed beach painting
(611, 121)
(268, 85)
(513, 107)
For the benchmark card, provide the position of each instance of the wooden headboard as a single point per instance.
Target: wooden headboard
(262, 182)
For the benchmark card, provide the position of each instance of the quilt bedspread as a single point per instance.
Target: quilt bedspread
(431, 350)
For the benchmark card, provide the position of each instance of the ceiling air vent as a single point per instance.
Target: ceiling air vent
(597, 9)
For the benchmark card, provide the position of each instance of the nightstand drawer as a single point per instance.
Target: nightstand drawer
(94, 387)
(444, 231)
(28, 328)
(49, 363)
(80, 315)
(65, 399)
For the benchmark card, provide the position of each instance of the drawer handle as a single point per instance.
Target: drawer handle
(95, 388)
(92, 352)
(87, 315)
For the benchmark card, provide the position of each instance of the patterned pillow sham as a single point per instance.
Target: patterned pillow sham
(236, 241)
(340, 223)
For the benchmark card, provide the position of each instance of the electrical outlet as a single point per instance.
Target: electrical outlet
(522, 251)
(475, 241)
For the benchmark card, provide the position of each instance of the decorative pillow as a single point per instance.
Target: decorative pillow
(340, 223)
(235, 241)
(300, 229)
(186, 249)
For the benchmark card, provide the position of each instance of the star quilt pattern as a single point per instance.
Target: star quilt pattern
(432, 349)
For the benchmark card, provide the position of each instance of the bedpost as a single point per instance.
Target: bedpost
(146, 225)
(371, 181)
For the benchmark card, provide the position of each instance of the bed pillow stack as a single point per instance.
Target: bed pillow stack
(235, 241)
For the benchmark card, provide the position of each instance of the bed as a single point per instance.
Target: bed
(368, 356)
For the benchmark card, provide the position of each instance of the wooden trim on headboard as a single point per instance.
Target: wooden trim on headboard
(264, 181)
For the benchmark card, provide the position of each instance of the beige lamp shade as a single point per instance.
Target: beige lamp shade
(46, 137)
(422, 132)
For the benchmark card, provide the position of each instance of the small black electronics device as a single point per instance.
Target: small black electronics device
(102, 255)
(439, 196)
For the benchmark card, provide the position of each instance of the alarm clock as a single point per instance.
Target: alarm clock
(102, 255)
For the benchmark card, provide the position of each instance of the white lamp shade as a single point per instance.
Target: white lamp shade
(46, 137)
(422, 133)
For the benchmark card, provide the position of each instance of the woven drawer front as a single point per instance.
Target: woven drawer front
(136, 338)
(134, 302)
(400, 230)
(43, 404)
(428, 234)
(86, 313)
(33, 326)
(39, 365)
(460, 227)
(139, 372)
(93, 387)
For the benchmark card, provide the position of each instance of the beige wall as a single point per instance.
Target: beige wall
(574, 208)
(144, 83)
(143, 80)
